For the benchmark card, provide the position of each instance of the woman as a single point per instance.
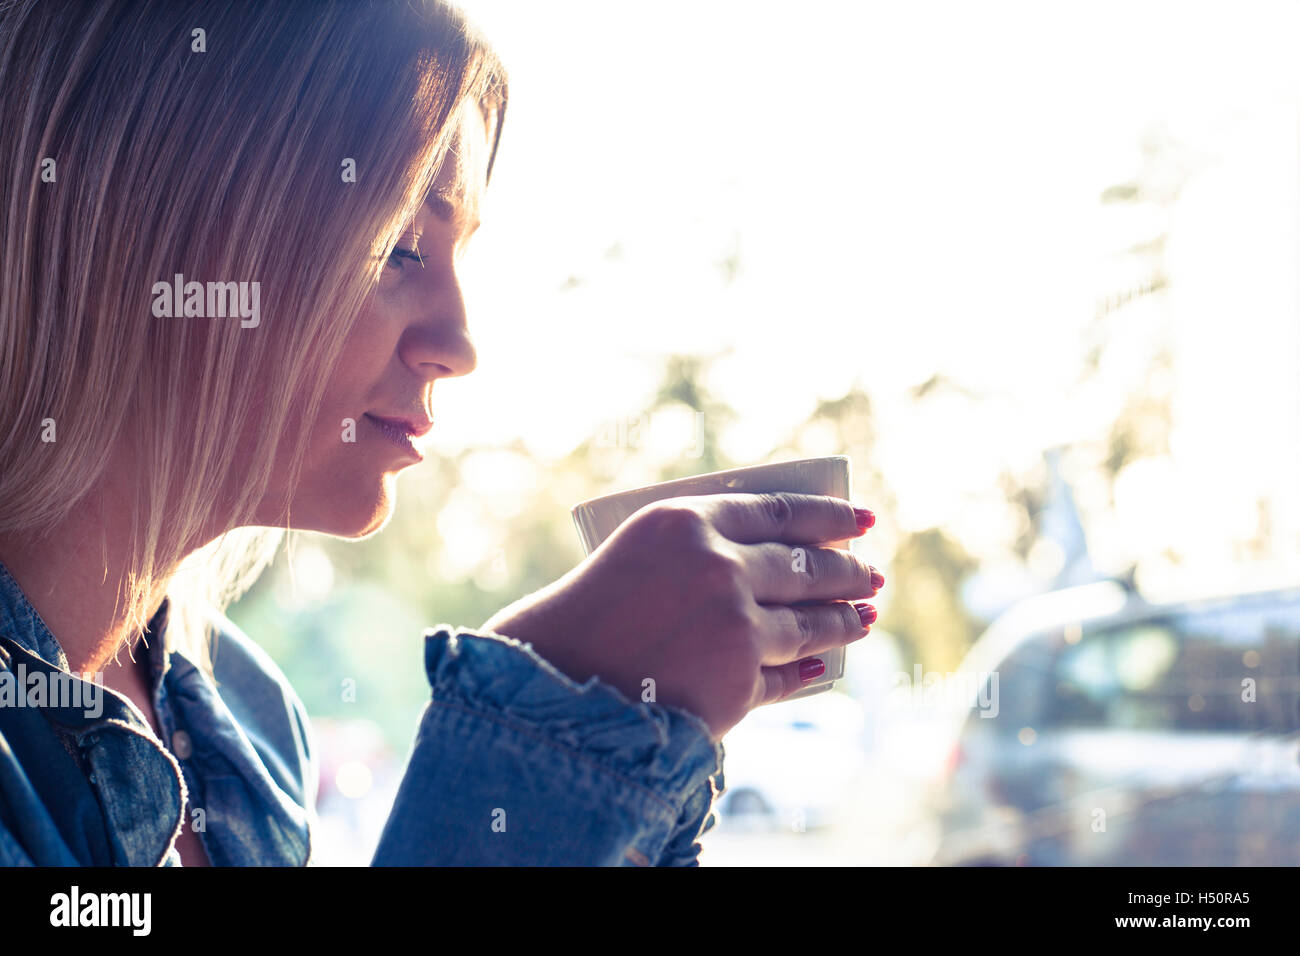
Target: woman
(228, 282)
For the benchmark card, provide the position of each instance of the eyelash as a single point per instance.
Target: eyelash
(399, 253)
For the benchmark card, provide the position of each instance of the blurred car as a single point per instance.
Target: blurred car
(789, 765)
(1114, 732)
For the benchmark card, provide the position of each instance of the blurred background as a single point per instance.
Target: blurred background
(1032, 267)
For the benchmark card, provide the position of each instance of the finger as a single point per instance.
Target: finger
(792, 633)
(782, 574)
(780, 682)
(785, 516)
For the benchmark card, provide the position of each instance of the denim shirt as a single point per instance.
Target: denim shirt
(513, 762)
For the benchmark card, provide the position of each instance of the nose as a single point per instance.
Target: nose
(438, 344)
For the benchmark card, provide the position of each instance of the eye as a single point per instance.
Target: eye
(396, 260)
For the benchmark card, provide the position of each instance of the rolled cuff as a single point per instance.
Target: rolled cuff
(578, 774)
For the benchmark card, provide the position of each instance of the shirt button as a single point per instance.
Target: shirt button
(181, 745)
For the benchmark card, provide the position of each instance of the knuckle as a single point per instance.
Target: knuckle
(781, 683)
(802, 625)
(857, 572)
(849, 619)
(671, 521)
(862, 571)
(843, 511)
(720, 572)
(674, 513)
(777, 506)
(814, 568)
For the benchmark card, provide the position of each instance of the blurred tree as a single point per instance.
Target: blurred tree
(1138, 278)
(683, 383)
(1142, 428)
(926, 613)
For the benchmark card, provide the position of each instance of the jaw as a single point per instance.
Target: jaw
(345, 506)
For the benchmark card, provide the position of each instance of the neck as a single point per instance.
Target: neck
(74, 574)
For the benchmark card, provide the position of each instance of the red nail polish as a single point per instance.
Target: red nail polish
(811, 668)
(864, 518)
(866, 613)
(877, 579)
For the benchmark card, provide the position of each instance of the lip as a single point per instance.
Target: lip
(416, 427)
(401, 432)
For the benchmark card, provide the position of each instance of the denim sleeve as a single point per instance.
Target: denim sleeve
(516, 764)
(11, 854)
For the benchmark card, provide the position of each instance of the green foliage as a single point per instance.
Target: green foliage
(926, 614)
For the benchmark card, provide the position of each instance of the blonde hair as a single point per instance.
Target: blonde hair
(208, 139)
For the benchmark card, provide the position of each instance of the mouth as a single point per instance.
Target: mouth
(401, 432)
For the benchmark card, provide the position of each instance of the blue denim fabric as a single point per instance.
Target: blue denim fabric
(241, 756)
(513, 763)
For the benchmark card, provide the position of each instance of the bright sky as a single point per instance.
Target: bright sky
(911, 189)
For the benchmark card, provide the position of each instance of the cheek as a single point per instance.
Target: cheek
(341, 460)
(357, 382)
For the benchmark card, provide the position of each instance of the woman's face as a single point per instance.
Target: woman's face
(411, 333)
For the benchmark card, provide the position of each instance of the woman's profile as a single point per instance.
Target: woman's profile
(230, 242)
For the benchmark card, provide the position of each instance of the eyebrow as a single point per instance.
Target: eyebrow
(446, 210)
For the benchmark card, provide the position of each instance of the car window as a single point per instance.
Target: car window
(1016, 693)
(1230, 669)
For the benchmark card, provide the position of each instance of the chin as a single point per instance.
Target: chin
(363, 512)
(373, 519)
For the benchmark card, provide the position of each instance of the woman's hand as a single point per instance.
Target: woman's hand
(705, 595)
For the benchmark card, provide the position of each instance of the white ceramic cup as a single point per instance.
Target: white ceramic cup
(596, 519)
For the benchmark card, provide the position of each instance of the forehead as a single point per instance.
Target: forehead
(462, 175)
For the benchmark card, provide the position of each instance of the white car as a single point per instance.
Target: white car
(788, 765)
(1130, 734)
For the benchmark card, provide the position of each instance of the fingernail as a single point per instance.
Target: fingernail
(877, 579)
(866, 613)
(811, 668)
(864, 518)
